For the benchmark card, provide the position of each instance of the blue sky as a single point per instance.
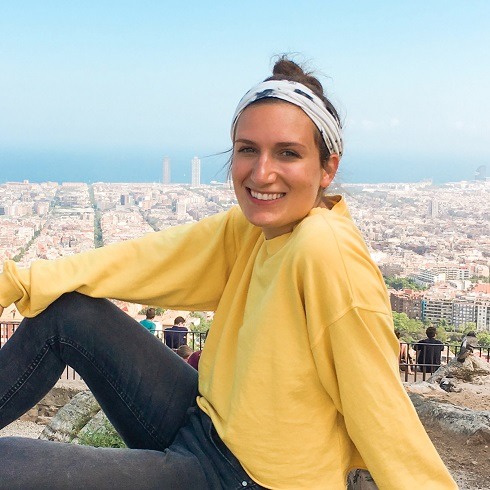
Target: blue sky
(152, 78)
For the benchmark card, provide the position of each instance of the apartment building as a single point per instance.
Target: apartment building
(483, 314)
(407, 301)
(437, 308)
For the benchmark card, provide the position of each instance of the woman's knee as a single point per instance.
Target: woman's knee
(75, 306)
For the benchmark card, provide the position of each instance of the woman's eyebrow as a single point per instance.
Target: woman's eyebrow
(290, 143)
(279, 143)
(243, 140)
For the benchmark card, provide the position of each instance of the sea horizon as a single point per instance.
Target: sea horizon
(130, 166)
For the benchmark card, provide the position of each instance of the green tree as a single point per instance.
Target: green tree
(98, 237)
(410, 329)
(159, 311)
(399, 283)
(483, 339)
(476, 279)
(442, 335)
(454, 337)
(204, 323)
(400, 321)
(469, 327)
(202, 328)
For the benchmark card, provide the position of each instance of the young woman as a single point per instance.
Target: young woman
(298, 381)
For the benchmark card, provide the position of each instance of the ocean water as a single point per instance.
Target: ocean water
(104, 166)
(146, 166)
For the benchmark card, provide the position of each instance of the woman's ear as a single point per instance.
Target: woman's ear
(329, 170)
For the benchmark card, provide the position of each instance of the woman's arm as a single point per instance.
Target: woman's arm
(357, 360)
(181, 267)
(356, 353)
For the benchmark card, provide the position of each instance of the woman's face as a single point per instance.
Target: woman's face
(276, 168)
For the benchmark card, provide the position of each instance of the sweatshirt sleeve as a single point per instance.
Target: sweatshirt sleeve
(357, 359)
(183, 267)
(356, 355)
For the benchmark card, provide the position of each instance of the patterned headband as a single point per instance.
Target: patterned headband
(301, 96)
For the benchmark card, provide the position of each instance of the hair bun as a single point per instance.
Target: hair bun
(287, 68)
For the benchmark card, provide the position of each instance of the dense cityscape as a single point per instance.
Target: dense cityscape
(436, 236)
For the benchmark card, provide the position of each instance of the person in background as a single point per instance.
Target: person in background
(148, 322)
(429, 352)
(405, 359)
(184, 351)
(194, 359)
(469, 343)
(298, 380)
(176, 335)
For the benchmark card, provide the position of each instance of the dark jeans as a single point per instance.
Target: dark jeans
(145, 389)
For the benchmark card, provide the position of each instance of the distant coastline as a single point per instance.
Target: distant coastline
(146, 167)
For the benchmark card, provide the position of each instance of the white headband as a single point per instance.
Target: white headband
(301, 96)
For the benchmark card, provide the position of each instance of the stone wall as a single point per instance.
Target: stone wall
(58, 397)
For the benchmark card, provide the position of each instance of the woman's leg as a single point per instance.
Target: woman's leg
(27, 464)
(143, 387)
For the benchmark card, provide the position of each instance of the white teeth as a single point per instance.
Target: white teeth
(266, 197)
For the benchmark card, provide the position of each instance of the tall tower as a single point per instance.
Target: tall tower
(166, 170)
(433, 208)
(196, 172)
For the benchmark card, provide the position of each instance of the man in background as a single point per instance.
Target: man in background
(429, 352)
(176, 335)
(148, 321)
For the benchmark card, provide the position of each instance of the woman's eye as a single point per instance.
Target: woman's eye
(246, 149)
(289, 154)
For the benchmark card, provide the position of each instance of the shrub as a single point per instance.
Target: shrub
(101, 435)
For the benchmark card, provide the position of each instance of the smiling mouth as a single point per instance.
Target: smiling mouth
(266, 197)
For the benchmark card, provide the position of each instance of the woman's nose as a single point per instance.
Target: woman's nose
(263, 170)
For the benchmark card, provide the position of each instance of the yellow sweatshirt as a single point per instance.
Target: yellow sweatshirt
(300, 370)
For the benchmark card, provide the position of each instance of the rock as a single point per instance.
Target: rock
(57, 397)
(450, 418)
(66, 424)
(81, 421)
(31, 415)
(422, 387)
(472, 370)
(99, 432)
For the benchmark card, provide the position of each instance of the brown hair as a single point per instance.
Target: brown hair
(184, 351)
(286, 69)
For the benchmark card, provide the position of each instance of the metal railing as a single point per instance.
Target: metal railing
(411, 370)
(7, 328)
(195, 340)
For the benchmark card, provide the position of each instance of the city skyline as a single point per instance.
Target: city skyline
(437, 236)
(105, 87)
(191, 174)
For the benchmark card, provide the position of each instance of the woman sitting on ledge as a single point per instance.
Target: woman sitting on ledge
(287, 268)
